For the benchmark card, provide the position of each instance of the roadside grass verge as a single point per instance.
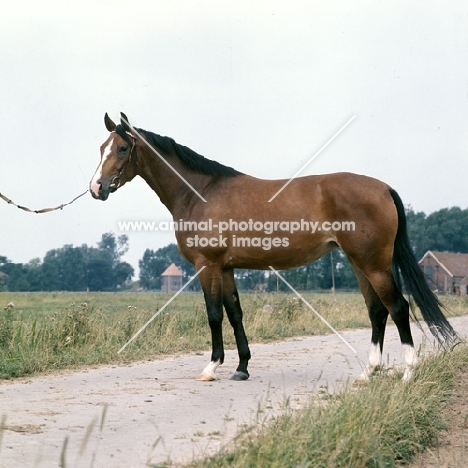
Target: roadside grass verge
(380, 424)
(42, 332)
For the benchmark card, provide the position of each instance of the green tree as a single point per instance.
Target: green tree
(443, 230)
(17, 277)
(151, 268)
(447, 229)
(72, 268)
(344, 274)
(116, 246)
(50, 272)
(416, 222)
(35, 275)
(153, 264)
(123, 272)
(100, 274)
(251, 280)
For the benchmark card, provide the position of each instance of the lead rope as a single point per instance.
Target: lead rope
(114, 186)
(44, 210)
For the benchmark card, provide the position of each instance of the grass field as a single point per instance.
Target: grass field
(41, 332)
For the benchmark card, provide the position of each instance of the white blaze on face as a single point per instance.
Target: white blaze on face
(97, 176)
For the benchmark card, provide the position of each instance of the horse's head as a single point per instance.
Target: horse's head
(118, 163)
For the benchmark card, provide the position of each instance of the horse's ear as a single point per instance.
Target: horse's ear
(124, 122)
(109, 124)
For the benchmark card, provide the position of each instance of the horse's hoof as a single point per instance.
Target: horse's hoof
(206, 377)
(240, 376)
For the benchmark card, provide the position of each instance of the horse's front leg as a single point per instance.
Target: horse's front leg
(211, 281)
(234, 313)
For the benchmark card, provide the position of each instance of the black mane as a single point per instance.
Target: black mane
(188, 157)
(122, 133)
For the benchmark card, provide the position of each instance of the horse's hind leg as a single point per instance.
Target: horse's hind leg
(384, 285)
(234, 313)
(378, 314)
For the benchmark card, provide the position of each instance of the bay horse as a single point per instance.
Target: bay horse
(226, 221)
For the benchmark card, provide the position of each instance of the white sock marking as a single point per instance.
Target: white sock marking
(410, 355)
(210, 369)
(411, 359)
(375, 356)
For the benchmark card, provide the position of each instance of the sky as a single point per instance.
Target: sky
(256, 85)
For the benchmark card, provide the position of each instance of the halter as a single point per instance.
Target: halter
(115, 184)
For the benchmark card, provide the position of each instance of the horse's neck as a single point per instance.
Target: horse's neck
(174, 183)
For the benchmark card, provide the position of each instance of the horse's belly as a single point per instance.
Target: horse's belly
(278, 251)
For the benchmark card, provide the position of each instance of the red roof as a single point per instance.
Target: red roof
(172, 270)
(456, 264)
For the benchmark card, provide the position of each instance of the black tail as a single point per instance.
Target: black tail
(415, 282)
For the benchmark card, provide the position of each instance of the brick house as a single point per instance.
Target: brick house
(171, 279)
(464, 286)
(446, 272)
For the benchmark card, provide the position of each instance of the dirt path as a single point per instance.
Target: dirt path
(158, 411)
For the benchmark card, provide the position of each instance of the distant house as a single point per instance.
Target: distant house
(464, 286)
(171, 279)
(446, 272)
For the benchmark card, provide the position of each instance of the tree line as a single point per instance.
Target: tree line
(71, 268)
(101, 269)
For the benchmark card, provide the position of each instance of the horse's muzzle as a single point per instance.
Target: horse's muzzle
(102, 193)
(100, 190)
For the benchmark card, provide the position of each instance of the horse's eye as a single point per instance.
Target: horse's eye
(122, 149)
